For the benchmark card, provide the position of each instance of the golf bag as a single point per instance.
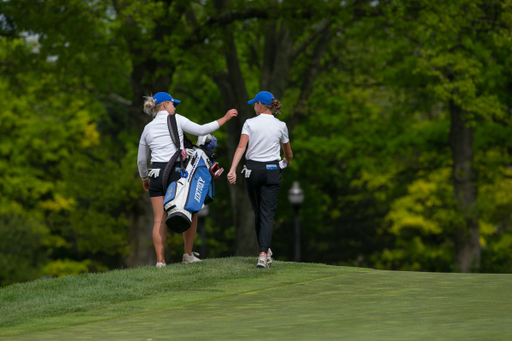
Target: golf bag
(195, 187)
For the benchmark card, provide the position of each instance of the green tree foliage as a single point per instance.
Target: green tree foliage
(370, 91)
(457, 48)
(399, 157)
(22, 248)
(42, 130)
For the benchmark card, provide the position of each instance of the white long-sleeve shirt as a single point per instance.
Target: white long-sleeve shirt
(156, 138)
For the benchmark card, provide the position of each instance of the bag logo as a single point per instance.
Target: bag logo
(170, 192)
(199, 189)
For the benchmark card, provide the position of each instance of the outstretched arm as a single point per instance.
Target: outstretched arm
(198, 130)
(240, 150)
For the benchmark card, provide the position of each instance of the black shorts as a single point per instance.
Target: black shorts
(156, 188)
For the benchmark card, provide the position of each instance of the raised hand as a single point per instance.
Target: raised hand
(231, 113)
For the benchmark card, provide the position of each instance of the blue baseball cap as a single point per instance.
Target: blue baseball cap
(164, 97)
(264, 97)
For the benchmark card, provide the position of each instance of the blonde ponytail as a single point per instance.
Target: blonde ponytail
(150, 106)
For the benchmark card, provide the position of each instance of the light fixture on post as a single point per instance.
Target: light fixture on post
(201, 217)
(296, 197)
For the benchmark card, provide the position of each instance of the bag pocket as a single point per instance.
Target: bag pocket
(200, 181)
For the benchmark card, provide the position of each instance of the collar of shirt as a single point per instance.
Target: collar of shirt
(161, 113)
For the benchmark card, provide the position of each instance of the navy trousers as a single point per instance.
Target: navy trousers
(263, 188)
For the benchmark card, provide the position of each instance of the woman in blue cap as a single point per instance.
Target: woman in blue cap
(156, 138)
(263, 136)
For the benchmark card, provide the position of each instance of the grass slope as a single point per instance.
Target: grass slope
(231, 299)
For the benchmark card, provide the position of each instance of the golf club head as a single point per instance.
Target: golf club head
(217, 174)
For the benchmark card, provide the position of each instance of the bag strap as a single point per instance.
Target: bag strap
(172, 125)
(169, 168)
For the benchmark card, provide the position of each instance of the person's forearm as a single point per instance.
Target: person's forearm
(199, 130)
(288, 157)
(288, 154)
(229, 115)
(237, 157)
(142, 161)
(222, 121)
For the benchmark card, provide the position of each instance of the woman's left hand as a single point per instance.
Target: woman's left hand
(145, 184)
(232, 177)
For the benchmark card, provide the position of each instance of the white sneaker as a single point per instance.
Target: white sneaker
(190, 259)
(269, 257)
(262, 261)
(160, 265)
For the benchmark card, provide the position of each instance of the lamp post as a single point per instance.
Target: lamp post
(296, 197)
(201, 216)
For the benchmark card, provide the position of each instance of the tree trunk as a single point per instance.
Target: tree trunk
(140, 234)
(467, 238)
(243, 214)
(234, 93)
(144, 83)
(278, 58)
(141, 216)
(312, 72)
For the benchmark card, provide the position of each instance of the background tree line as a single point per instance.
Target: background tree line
(399, 115)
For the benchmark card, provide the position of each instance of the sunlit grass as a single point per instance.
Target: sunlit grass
(230, 299)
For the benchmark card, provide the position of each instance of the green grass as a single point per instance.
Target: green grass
(231, 299)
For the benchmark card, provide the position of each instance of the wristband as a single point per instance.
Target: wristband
(145, 179)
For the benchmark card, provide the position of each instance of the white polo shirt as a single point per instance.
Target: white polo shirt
(156, 138)
(266, 133)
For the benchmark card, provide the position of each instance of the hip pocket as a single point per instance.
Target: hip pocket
(273, 174)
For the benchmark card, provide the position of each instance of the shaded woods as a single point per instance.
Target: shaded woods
(399, 117)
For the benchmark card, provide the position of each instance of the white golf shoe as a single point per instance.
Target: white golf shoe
(190, 259)
(269, 257)
(262, 261)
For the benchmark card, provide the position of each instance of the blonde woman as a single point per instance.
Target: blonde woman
(156, 138)
(263, 136)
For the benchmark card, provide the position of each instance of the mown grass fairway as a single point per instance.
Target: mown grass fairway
(230, 299)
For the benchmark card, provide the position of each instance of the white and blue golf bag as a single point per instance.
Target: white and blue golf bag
(195, 188)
